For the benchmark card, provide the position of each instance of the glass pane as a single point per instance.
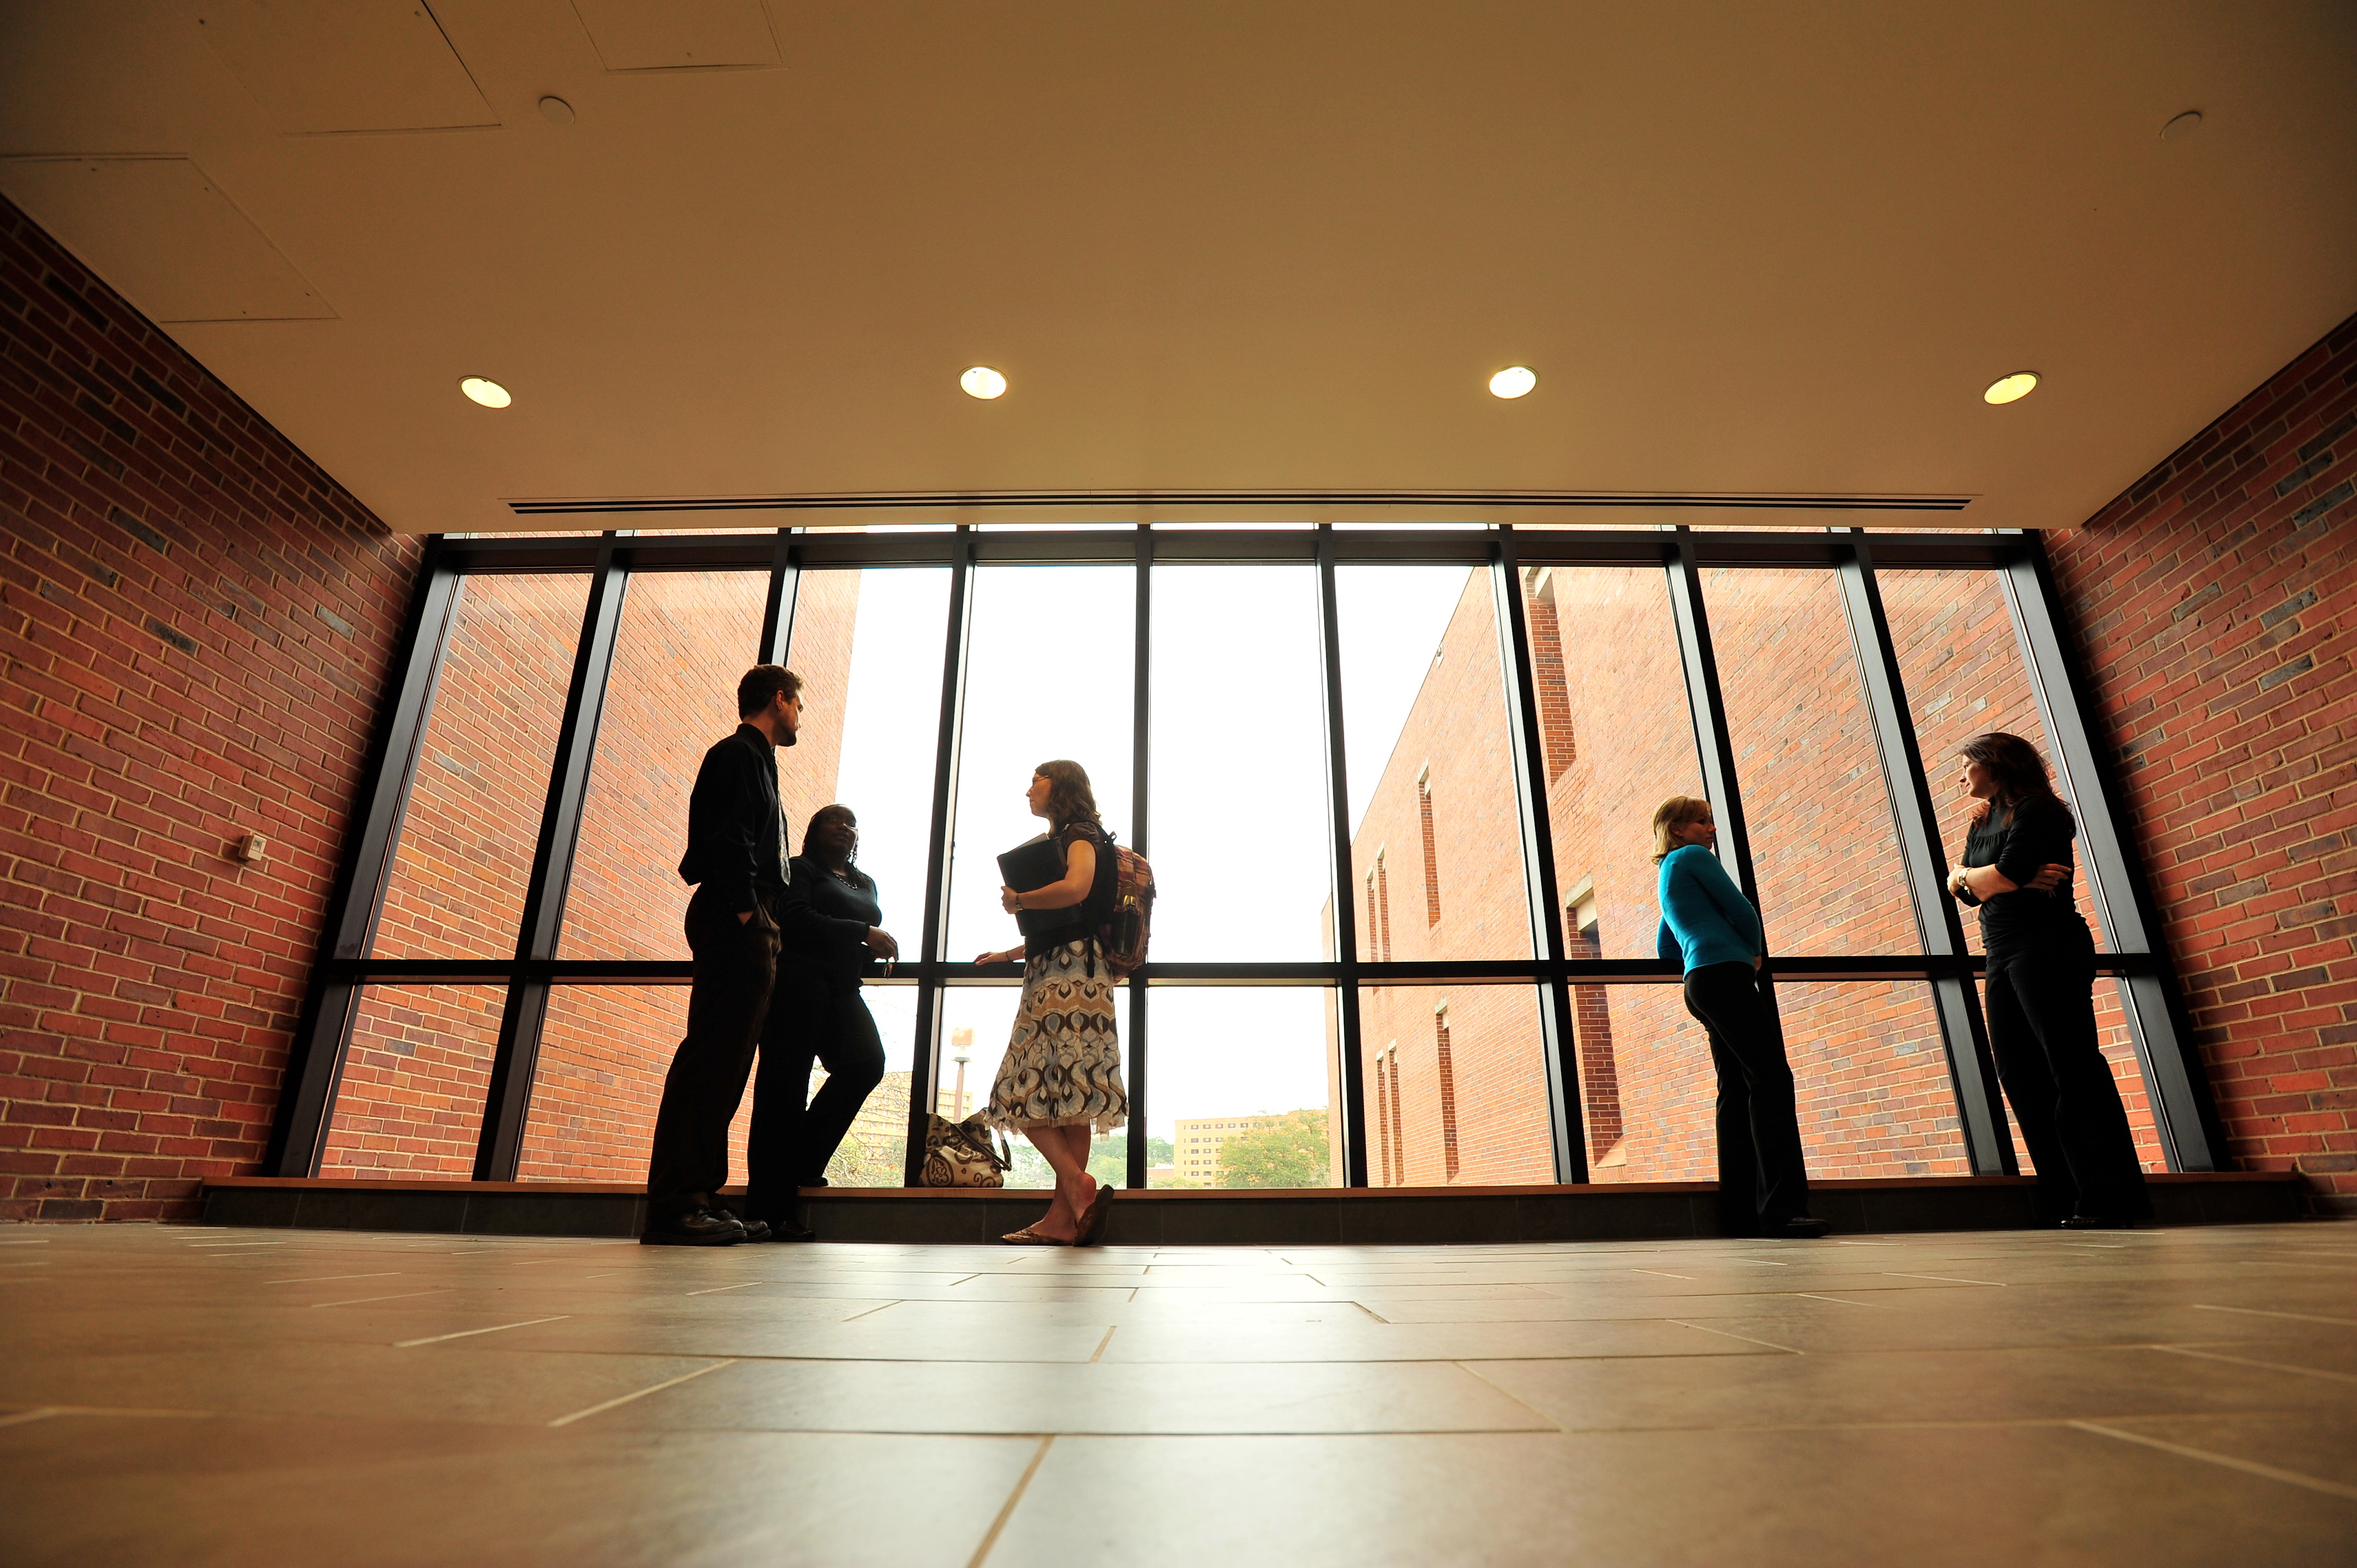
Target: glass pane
(1619, 739)
(2118, 1046)
(1049, 675)
(1245, 1085)
(1645, 1089)
(1239, 765)
(875, 1152)
(1872, 1078)
(456, 886)
(869, 644)
(1823, 843)
(977, 1021)
(1455, 1089)
(1436, 838)
(684, 639)
(1962, 662)
(603, 1053)
(410, 1104)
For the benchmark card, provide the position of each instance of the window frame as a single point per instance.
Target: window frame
(2151, 998)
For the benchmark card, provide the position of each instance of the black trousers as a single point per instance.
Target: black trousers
(791, 1141)
(2041, 1024)
(736, 968)
(1762, 1178)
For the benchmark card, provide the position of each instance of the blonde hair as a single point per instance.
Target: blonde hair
(1671, 815)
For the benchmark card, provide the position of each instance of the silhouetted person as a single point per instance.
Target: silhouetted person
(744, 906)
(1710, 928)
(816, 1014)
(2040, 987)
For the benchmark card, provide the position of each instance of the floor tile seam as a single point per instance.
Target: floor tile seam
(2231, 1462)
(1214, 1434)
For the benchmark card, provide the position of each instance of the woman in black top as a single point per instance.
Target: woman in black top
(1060, 1081)
(816, 1014)
(2041, 975)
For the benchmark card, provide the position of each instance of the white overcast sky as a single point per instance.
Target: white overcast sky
(1240, 840)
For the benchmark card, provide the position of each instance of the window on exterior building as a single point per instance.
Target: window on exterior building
(1448, 1074)
(1384, 900)
(1431, 855)
(1591, 1011)
(1421, 683)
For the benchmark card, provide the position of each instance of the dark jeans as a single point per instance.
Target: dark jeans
(792, 1141)
(1762, 1179)
(2041, 1024)
(735, 967)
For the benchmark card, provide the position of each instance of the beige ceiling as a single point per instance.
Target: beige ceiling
(1267, 246)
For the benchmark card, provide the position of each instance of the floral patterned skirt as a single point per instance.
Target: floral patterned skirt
(1063, 1067)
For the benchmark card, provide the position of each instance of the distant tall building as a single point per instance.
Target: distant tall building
(1196, 1146)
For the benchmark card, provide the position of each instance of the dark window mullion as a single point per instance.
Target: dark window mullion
(507, 1098)
(1558, 1048)
(1972, 1071)
(926, 1049)
(2192, 1137)
(323, 1032)
(1141, 777)
(1353, 1108)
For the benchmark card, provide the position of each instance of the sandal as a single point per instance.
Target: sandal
(1029, 1236)
(1098, 1215)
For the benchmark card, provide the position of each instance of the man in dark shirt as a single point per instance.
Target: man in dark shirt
(746, 906)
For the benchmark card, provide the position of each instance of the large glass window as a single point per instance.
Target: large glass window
(1618, 738)
(410, 1101)
(1242, 836)
(1455, 1087)
(1050, 662)
(1247, 1076)
(1823, 844)
(1244, 1087)
(1436, 834)
(458, 877)
(1961, 660)
(684, 639)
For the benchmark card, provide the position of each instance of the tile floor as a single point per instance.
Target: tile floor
(192, 1396)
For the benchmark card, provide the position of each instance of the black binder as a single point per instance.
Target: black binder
(1035, 863)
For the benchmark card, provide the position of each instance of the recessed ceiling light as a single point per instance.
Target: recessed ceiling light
(491, 394)
(1513, 381)
(984, 383)
(2184, 126)
(555, 111)
(2012, 388)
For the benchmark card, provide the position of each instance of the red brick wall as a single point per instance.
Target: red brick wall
(2211, 601)
(195, 623)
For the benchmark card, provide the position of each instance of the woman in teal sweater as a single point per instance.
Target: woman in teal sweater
(1711, 929)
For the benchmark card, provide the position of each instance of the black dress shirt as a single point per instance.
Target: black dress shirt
(737, 843)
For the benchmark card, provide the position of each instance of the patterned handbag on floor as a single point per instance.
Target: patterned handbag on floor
(962, 1154)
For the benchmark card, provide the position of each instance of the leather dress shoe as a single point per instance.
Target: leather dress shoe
(2097, 1222)
(697, 1228)
(1800, 1228)
(755, 1230)
(786, 1230)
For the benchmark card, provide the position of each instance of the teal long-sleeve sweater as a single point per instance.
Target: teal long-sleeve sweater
(1705, 918)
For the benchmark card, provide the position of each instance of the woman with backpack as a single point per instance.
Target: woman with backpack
(2041, 977)
(1060, 1081)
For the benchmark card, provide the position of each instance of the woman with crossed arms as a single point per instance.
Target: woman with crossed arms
(2041, 977)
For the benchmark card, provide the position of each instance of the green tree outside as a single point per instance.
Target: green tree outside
(1291, 1152)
